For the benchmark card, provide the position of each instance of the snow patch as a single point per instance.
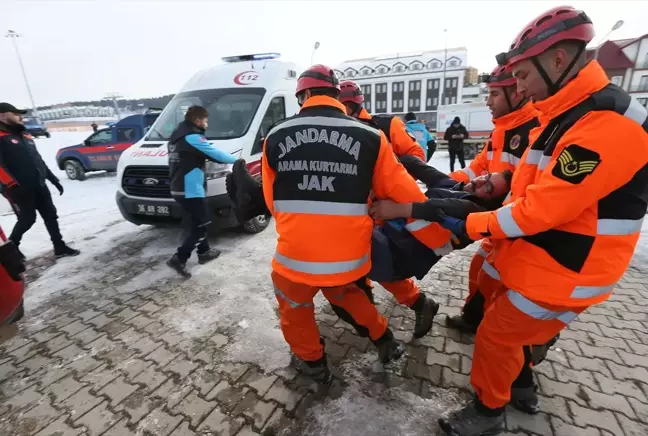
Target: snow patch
(372, 409)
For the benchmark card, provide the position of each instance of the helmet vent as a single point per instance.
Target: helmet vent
(544, 19)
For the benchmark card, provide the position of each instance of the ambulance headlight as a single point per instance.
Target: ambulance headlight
(215, 170)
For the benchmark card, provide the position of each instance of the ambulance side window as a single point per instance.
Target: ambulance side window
(276, 112)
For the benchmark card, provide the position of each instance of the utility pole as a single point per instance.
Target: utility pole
(113, 96)
(315, 47)
(13, 35)
(615, 27)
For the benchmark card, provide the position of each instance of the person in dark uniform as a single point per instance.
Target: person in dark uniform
(22, 180)
(455, 135)
(188, 153)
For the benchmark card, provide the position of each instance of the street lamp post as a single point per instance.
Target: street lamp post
(13, 35)
(617, 25)
(315, 47)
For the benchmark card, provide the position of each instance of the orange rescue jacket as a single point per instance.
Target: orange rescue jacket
(393, 127)
(578, 198)
(508, 141)
(319, 168)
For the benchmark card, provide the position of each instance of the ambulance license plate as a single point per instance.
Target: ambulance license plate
(153, 209)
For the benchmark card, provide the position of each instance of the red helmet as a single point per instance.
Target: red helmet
(500, 77)
(563, 23)
(317, 76)
(351, 92)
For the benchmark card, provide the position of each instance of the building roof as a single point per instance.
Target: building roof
(457, 54)
(611, 55)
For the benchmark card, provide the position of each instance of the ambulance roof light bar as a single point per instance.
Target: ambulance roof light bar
(251, 57)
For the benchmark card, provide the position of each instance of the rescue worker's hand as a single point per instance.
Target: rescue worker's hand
(455, 225)
(11, 260)
(58, 186)
(388, 209)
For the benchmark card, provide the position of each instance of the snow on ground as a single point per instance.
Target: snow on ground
(372, 409)
(85, 209)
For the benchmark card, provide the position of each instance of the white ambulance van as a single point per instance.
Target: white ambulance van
(244, 96)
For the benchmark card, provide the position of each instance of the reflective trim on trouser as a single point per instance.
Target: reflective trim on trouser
(504, 331)
(405, 291)
(297, 315)
(476, 266)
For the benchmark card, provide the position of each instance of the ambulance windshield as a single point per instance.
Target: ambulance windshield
(231, 111)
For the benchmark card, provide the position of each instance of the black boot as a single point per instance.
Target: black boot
(459, 322)
(62, 250)
(525, 399)
(473, 420)
(318, 370)
(425, 309)
(208, 256)
(389, 349)
(179, 266)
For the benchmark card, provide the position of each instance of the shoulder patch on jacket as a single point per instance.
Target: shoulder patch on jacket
(575, 163)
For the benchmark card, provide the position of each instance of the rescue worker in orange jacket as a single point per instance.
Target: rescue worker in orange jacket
(514, 117)
(403, 142)
(578, 199)
(318, 170)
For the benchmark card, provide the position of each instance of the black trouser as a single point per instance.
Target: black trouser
(196, 210)
(456, 151)
(26, 206)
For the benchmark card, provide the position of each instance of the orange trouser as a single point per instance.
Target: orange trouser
(511, 322)
(405, 291)
(476, 266)
(297, 314)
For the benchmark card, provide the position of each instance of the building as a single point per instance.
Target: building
(409, 82)
(471, 76)
(626, 63)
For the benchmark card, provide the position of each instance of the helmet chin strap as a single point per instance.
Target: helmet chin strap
(512, 107)
(554, 87)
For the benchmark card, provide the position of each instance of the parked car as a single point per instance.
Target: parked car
(101, 150)
(35, 127)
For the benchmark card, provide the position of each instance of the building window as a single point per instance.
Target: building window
(617, 80)
(452, 63)
(434, 65)
(435, 102)
(382, 70)
(643, 84)
(415, 67)
(418, 85)
(399, 68)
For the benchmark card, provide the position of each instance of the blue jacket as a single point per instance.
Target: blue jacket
(420, 132)
(188, 152)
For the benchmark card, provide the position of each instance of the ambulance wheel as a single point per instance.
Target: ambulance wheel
(256, 224)
(74, 170)
(47, 134)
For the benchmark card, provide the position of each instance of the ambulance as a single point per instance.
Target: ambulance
(244, 96)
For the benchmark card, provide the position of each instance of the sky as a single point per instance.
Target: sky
(84, 49)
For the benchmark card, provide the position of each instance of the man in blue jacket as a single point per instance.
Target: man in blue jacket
(188, 153)
(423, 137)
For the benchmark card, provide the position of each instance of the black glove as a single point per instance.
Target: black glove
(11, 260)
(436, 209)
(57, 185)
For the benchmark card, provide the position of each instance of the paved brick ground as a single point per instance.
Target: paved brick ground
(99, 360)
